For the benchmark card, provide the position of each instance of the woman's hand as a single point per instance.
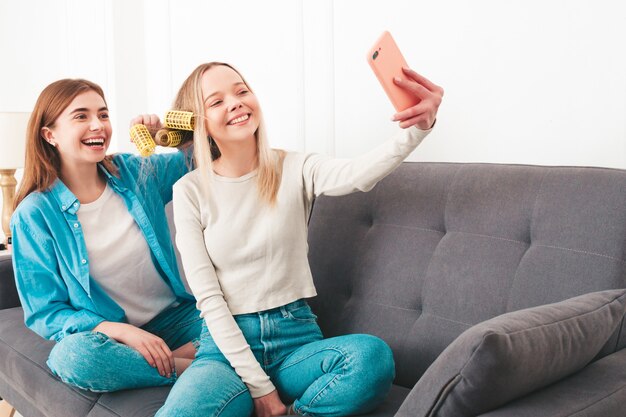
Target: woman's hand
(151, 347)
(269, 405)
(151, 121)
(424, 113)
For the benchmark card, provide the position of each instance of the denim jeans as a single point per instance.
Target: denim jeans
(338, 376)
(95, 362)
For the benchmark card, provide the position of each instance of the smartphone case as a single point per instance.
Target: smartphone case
(387, 61)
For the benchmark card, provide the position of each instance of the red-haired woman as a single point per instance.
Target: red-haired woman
(93, 258)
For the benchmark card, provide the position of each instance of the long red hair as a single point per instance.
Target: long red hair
(42, 165)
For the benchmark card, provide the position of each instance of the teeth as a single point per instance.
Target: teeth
(239, 119)
(95, 141)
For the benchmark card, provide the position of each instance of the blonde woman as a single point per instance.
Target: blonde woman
(241, 221)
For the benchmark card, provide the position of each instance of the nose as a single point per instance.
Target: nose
(234, 103)
(96, 124)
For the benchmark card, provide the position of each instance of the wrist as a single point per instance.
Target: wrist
(109, 328)
(259, 392)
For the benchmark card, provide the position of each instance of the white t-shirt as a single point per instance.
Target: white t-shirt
(120, 259)
(242, 256)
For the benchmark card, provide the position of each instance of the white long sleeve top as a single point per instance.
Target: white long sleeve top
(241, 255)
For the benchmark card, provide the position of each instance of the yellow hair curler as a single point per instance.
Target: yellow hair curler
(182, 120)
(165, 137)
(143, 140)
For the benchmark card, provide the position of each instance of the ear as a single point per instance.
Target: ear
(46, 133)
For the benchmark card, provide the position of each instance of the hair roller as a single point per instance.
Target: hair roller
(143, 140)
(181, 120)
(171, 138)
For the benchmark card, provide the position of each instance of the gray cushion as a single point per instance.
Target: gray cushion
(25, 380)
(516, 353)
(599, 389)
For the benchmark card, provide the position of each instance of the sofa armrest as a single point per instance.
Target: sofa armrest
(8, 291)
(599, 390)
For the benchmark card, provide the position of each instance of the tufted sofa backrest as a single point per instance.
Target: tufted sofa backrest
(436, 248)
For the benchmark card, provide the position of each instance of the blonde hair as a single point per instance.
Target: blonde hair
(42, 165)
(270, 161)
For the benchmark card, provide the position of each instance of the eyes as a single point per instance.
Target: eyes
(216, 103)
(84, 116)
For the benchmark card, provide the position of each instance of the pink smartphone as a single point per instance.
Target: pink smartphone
(387, 61)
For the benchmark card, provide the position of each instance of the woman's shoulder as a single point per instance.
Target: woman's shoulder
(295, 161)
(189, 189)
(33, 208)
(126, 161)
(190, 179)
(291, 157)
(191, 182)
(34, 202)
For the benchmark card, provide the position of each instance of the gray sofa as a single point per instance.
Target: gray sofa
(466, 270)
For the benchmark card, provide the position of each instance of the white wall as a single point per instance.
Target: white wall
(528, 81)
(541, 82)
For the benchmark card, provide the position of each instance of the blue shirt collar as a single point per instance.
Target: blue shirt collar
(67, 201)
(115, 182)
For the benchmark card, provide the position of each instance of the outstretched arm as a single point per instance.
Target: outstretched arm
(325, 175)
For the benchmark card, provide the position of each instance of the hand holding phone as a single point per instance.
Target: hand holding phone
(415, 98)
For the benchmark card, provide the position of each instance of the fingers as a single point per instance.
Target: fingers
(166, 356)
(421, 107)
(163, 357)
(169, 357)
(423, 121)
(146, 119)
(136, 121)
(413, 87)
(151, 121)
(432, 87)
(424, 113)
(147, 356)
(159, 356)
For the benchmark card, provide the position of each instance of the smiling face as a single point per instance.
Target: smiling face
(82, 132)
(231, 110)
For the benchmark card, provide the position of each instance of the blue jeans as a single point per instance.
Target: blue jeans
(339, 376)
(95, 362)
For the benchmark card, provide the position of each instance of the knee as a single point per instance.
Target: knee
(375, 359)
(71, 352)
(208, 389)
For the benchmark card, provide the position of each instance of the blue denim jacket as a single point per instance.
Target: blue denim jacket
(50, 257)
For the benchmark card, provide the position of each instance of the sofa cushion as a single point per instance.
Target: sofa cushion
(597, 390)
(516, 353)
(30, 385)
